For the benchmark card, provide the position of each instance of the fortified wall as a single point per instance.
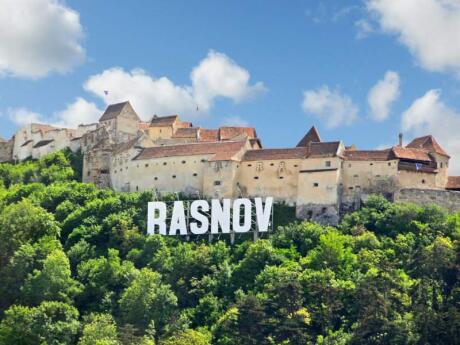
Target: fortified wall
(323, 179)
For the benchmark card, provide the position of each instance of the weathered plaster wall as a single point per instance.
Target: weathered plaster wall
(277, 178)
(6, 151)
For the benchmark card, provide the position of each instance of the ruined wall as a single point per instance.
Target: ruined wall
(6, 151)
(449, 200)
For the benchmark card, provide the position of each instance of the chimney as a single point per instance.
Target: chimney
(400, 139)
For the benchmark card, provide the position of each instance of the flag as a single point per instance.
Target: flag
(418, 166)
(106, 92)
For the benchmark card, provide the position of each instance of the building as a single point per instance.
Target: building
(168, 155)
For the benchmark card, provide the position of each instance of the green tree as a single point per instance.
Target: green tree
(53, 323)
(99, 329)
(147, 299)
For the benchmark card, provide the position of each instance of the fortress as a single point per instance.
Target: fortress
(322, 179)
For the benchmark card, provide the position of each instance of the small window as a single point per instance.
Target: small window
(441, 165)
(217, 183)
(164, 163)
(389, 164)
(155, 178)
(296, 166)
(146, 165)
(89, 172)
(183, 162)
(173, 176)
(371, 163)
(195, 174)
(350, 188)
(256, 177)
(377, 175)
(203, 161)
(272, 164)
(249, 165)
(328, 163)
(423, 181)
(281, 177)
(355, 175)
(316, 184)
(137, 188)
(349, 165)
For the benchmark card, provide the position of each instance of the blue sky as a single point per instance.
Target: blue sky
(335, 51)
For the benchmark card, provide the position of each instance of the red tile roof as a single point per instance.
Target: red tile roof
(221, 149)
(181, 133)
(209, 134)
(163, 121)
(367, 155)
(324, 149)
(312, 136)
(227, 133)
(427, 143)
(143, 125)
(453, 182)
(273, 154)
(411, 154)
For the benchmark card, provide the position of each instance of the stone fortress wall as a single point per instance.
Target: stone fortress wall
(322, 179)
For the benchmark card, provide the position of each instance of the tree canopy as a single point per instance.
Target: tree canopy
(76, 267)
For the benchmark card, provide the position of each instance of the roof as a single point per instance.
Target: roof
(27, 142)
(221, 150)
(113, 111)
(143, 125)
(273, 154)
(163, 121)
(227, 133)
(208, 134)
(411, 153)
(368, 155)
(312, 136)
(126, 145)
(191, 132)
(323, 149)
(427, 143)
(43, 143)
(453, 182)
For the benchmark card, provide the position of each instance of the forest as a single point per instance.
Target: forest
(76, 267)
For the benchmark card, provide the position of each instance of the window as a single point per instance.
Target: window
(371, 163)
(183, 162)
(281, 177)
(350, 188)
(146, 165)
(89, 172)
(272, 164)
(195, 174)
(256, 177)
(137, 188)
(315, 184)
(441, 164)
(164, 163)
(423, 181)
(389, 164)
(155, 178)
(328, 163)
(249, 165)
(173, 176)
(217, 183)
(295, 165)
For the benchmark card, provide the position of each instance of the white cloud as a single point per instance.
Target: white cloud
(23, 116)
(382, 96)
(215, 76)
(429, 28)
(37, 37)
(364, 28)
(235, 121)
(76, 113)
(332, 106)
(429, 115)
(219, 76)
(79, 112)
